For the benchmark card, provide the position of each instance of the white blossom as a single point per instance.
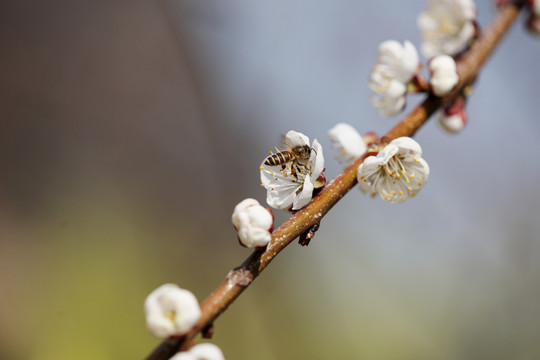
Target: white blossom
(253, 222)
(447, 26)
(204, 351)
(291, 185)
(171, 310)
(396, 173)
(444, 75)
(392, 101)
(396, 66)
(349, 143)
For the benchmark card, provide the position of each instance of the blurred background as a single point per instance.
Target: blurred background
(130, 129)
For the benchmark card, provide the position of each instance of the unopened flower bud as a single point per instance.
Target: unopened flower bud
(453, 118)
(204, 351)
(254, 223)
(444, 75)
(171, 310)
(533, 21)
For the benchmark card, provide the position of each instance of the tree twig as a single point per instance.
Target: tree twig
(240, 278)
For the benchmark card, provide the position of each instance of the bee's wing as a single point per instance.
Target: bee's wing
(284, 142)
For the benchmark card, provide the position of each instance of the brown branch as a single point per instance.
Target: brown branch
(240, 278)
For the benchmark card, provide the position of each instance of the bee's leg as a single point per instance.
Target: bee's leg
(283, 166)
(293, 172)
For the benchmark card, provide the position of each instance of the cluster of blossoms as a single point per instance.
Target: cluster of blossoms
(171, 312)
(448, 29)
(394, 170)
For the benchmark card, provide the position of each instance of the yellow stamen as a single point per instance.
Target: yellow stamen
(262, 168)
(171, 315)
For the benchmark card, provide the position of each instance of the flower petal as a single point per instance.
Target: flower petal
(350, 144)
(296, 138)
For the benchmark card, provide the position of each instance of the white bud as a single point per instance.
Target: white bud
(204, 351)
(452, 123)
(444, 75)
(253, 222)
(171, 310)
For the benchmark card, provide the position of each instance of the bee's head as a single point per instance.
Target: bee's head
(302, 152)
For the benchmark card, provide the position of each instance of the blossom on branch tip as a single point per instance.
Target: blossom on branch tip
(290, 184)
(447, 26)
(396, 66)
(444, 75)
(204, 351)
(396, 173)
(254, 223)
(171, 310)
(350, 144)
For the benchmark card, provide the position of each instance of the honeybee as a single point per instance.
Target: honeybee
(297, 154)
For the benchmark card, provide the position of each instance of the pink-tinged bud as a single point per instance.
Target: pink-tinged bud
(453, 118)
(320, 182)
(533, 24)
(370, 138)
(502, 3)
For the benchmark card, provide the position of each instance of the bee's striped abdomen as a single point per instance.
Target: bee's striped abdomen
(279, 159)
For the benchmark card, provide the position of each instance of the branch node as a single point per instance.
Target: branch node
(208, 331)
(240, 276)
(306, 237)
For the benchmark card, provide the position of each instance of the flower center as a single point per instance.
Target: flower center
(395, 168)
(171, 315)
